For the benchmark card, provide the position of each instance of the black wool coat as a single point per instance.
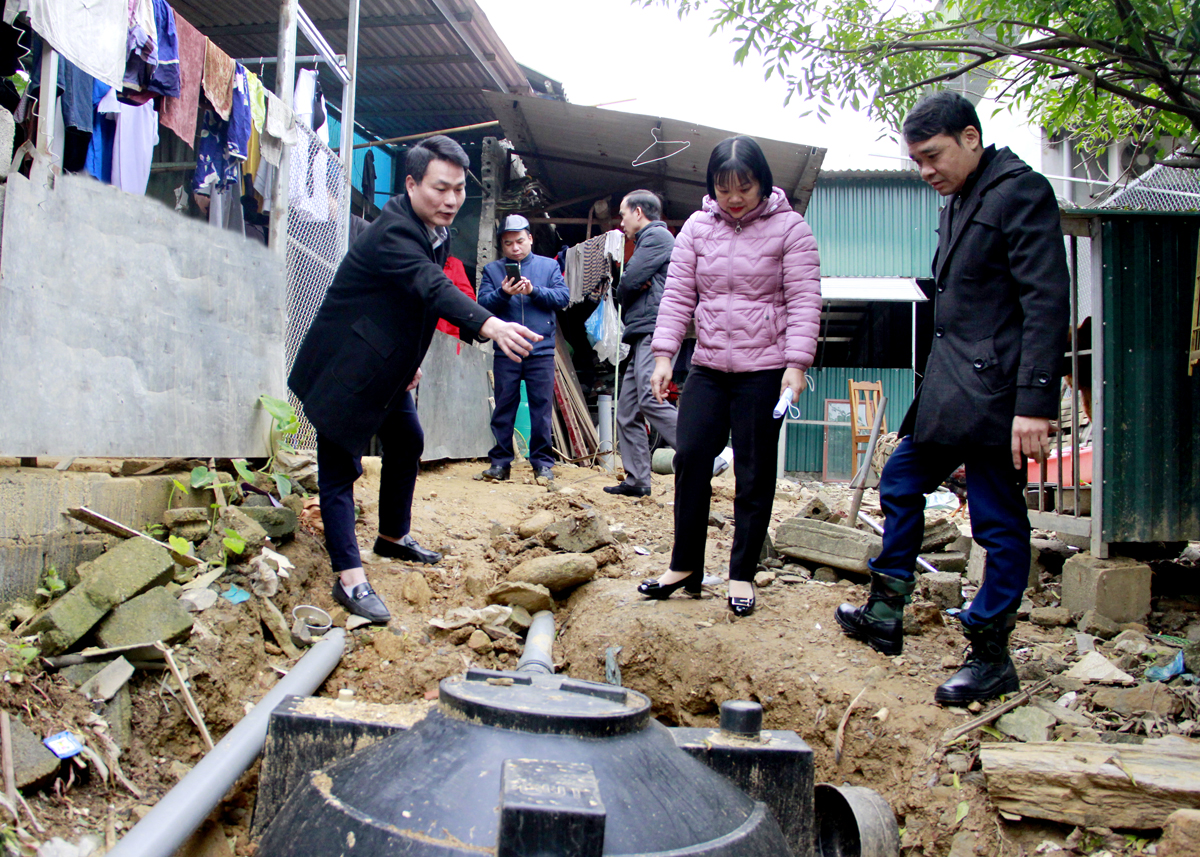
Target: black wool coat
(1000, 309)
(375, 325)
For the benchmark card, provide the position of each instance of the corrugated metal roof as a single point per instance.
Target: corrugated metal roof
(876, 227)
(415, 72)
(578, 150)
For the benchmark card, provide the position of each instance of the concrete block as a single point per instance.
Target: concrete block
(33, 763)
(1098, 625)
(1117, 588)
(155, 615)
(233, 518)
(939, 532)
(128, 569)
(66, 620)
(952, 561)
(942, 588)
(823, 543)
(279, 523)
(977, 567)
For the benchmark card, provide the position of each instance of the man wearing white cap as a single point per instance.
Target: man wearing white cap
(526, 289)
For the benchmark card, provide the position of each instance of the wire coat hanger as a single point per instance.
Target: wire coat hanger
(682, 144)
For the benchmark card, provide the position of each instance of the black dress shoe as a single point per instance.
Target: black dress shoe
(495, 473)
(658, 591)
(741, 606)
(626, 490)
(362, 601)
(406, 549)
(543, 473)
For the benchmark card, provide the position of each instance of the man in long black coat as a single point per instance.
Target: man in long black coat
(362, 356)
(991, 386)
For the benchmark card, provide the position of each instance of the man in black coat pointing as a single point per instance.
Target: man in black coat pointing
(991, 386)
(362, 356)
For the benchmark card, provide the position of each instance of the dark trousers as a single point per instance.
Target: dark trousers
(999, 518)
(711, 405)
(537, 371)
(337, 470)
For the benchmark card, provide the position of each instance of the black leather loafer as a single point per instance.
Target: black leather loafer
(406, 549)
(362, 601)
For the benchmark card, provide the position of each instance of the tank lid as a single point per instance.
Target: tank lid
(539, 703)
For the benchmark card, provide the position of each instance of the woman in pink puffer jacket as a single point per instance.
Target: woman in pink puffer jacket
(745, 268)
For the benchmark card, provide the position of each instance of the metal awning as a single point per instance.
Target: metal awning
(579, 151)
(422, 64)
(871, 289)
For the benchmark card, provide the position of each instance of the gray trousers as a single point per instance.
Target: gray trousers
(635, 408)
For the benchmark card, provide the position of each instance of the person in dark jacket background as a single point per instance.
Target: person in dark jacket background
(362, 356)
(532, 298)
(990, 389)
(639, 294)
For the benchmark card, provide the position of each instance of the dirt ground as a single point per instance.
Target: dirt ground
(687, 655)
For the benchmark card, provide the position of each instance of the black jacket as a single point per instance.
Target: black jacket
(641, 286)
(1000, 309)
(375, 325)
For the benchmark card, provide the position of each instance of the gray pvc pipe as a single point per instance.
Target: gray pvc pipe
(538, 657)
(173, 819)
(604, 416)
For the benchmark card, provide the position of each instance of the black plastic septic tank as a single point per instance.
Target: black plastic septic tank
(517, 764)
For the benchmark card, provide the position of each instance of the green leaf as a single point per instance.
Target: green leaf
(243, 470)
(961, 812)
(202, 477)
(283, 484)
(286, 421)
(179, 544)
(234, 541)
(993, 731)
(957, 784)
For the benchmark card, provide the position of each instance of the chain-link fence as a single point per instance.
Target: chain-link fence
(316, 243)
(1160, 188)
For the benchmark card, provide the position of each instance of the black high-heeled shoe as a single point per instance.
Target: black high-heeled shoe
(658, 591)
(741, 606)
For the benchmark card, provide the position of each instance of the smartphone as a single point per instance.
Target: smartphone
(512, 270)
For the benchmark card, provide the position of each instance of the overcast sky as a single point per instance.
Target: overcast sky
(609, 50)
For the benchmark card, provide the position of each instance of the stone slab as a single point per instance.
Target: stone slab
(279, 522)
(583, 532)
(1118, 587)
(952, 561)
(65, 621)
(943, 588)
(33, 763)
(128, 569)
(155, 615)
(829, 544)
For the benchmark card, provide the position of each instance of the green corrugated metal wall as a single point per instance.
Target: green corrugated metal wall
(806, 444)
(1152, 407)
(874, 227)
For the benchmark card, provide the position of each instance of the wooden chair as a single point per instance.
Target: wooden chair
(864, 400)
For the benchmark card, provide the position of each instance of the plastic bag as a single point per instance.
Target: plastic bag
(604, 330)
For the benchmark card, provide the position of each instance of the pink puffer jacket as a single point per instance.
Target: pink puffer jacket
(753, 287)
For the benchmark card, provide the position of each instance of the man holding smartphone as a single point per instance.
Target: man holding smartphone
(527, 289)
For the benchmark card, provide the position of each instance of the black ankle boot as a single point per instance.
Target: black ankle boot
(879, 622)
(988, 671)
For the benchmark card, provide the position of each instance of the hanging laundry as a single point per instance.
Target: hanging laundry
(308, 185)
(309, 103)
(280, 128)
(258, 100)
(91, 34)
(104, 132)
(142, 36)
(219, 70)
(158, 75)
(368, 177)
(11, 50)
(133, 146)
(588, 269)
(224, 145)
(179, 113)
(74, 86)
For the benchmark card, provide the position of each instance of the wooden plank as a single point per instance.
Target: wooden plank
(1094, 785)
(116, 528)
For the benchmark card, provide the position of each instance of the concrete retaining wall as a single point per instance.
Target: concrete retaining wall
(36, 534)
